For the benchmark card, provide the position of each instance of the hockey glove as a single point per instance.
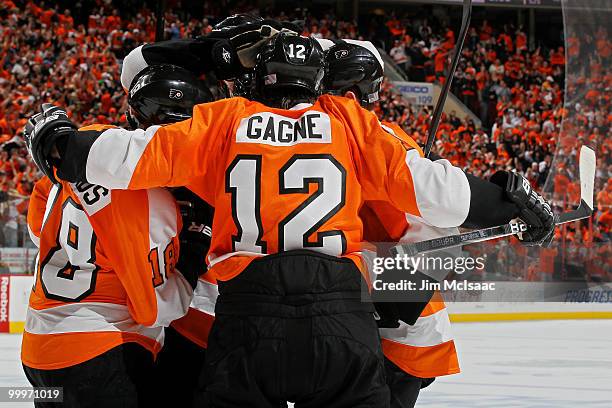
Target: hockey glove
(195, 236)
(244, 41)
(42, 132)
(535, 211)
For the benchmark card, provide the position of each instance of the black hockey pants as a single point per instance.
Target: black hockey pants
(119, 378)
(292, 327)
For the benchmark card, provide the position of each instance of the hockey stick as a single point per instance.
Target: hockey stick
(584, 210)
(160, 20)
(437, 113)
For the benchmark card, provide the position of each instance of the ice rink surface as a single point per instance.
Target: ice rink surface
(540, 364)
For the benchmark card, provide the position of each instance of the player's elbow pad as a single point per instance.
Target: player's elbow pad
(488, 205)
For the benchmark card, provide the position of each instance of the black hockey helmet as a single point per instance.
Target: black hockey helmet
(236, 20)
(162, 94)
(287, 64)
(351, 67)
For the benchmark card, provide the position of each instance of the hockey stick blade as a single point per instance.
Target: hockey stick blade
(585, 209)
(586, 168)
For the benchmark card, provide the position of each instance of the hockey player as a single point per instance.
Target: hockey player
(187, 338)
(287, 187)
(164, 94)
(414, 354)
(182, 359)
(106, 285)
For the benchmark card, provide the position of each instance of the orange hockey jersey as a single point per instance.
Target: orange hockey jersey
(105, 272)
(279, 179)
(425, 349)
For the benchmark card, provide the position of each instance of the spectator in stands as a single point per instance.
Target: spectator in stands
(398, 53)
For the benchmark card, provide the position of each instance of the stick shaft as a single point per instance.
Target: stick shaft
(160, 23)
(435, 121)
(485, 234)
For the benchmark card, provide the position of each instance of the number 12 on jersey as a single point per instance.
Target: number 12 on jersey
(243, 182)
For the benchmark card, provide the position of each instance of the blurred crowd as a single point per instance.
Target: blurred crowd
(70, 54)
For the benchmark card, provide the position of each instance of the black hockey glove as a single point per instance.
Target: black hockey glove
(243, 41)
(195, 236)
(42, 133)
(535, 211)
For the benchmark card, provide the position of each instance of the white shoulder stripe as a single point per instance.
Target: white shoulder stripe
(115, 154)
(442, 190)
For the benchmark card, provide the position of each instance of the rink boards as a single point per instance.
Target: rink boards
(15, 292)
(496, 312)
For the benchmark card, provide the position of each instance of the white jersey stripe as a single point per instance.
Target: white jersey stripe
(442, 190)
(174, 294)
(85, 318)
(428, 331)
(114, 156)
(205, 297)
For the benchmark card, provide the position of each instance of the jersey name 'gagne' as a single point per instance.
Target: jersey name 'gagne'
(277, 130)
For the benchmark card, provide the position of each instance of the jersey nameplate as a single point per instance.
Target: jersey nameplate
(277, 130)
(92, 197)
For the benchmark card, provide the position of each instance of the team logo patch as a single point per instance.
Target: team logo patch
(226, 55)
(175, 94)
(341, 54)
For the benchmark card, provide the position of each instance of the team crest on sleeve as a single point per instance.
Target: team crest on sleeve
(277, 130)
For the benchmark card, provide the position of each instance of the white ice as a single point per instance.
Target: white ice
(540, 364)
(537, 364)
